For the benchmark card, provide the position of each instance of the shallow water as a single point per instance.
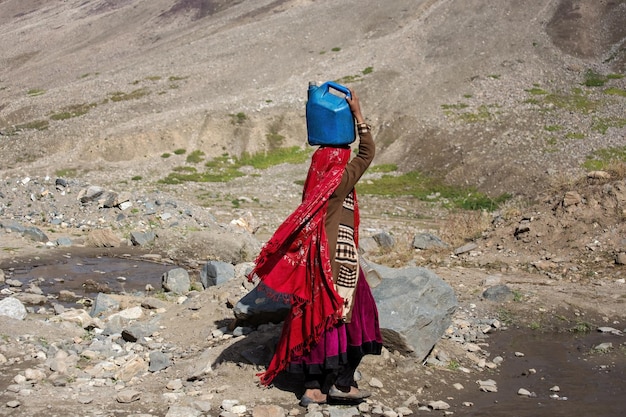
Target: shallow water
(87, 276)
(591, 383)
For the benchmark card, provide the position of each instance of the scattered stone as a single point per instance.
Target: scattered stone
(603, 347)
(427, 240)
(176, 281)
(498, 293)
(268, 411)
(12, 307)
(438, 405)
(13, 404)
(525, 393)
(376, 383)
(181, 411)
(128, 396)
(519, 354)
(465, 248)
(488, 385)
(610, 330)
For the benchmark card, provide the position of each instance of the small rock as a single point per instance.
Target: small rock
(376, 383)
(525, 393)
(128, 396)
(438, 405)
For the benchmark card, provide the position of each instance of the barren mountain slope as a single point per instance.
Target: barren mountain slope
(445, 83)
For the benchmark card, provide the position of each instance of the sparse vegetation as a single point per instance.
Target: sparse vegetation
(74, 110)
(166, 155)
(424, 188)
(136, 178)
(34, 125)
(385, 168)
(66, 173)
(264, 160)
(604, 158)
(195, 157)
(226, 168)
(133, 95)
(356, 77)
(238, 118)
(615, 91)
(602, 124)
(593, 79)
(180, 151)
(33, 92)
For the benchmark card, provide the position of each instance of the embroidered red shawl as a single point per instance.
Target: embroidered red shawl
(294, 265)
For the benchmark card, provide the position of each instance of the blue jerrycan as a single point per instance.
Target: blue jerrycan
(329, 121)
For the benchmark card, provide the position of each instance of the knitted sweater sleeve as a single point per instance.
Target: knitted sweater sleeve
(357, 166)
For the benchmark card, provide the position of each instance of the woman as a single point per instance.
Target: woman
(311, 262)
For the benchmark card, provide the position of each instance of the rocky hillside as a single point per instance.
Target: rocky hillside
(479, 94)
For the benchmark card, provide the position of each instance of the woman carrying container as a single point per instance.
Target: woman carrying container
(311, 262)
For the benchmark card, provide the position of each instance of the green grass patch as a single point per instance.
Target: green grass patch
(176, 78)
(582, 327)
(136, 178)
(336, 49)
(180, 151)
(457, 106)
(614, 91)
(185, 168)
(356, 77)
(602, 158)
(34, 125)
(483, 113)
(225, 168)
(133, 95)
(416, 185)
(574, 135)
(536, 91)
(195, 157)
(575, 102)
(553, 128)
(602, 124)
(384, 168)
(165, 155)
(264, 160)
(33, 92)
(238, 118)
(66, 173)
(594, 79)
(74, 110)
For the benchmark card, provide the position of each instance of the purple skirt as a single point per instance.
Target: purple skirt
(347, 340)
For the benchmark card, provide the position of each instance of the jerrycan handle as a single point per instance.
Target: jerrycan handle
(339, 87)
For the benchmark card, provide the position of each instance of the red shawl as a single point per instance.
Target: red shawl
(294, 265)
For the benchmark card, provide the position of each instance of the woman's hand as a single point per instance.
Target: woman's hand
(355, 106)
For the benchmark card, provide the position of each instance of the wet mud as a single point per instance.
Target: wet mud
(590, 382)
(87, 274)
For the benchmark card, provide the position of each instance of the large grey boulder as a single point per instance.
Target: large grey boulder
(257, 308)
(415, 308)
(176, 281)
(216, 273)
